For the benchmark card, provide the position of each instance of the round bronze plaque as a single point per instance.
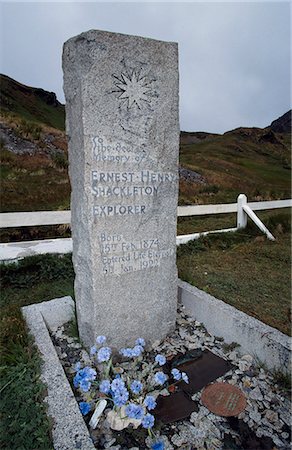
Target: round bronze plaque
(223, 399)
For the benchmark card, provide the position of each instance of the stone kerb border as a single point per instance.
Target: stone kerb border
(69, 429)
(266, 343)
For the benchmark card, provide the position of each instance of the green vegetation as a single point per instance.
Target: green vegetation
(245, 270)
(24, 423)
(33, 183)
(250, 161)
(31, 104)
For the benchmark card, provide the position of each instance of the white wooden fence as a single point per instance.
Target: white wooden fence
(15, 250)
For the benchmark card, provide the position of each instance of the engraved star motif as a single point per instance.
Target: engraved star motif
(133, 88)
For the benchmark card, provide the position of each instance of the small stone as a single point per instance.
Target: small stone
(259, 432)
(277, 441)
(256, 394)
(243, 365)
(110, 443)
(255, 416)
(271, 416)
(233, 356)
(285, 435)
(247, 358)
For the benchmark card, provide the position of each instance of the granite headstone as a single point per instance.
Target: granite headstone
(123, 132)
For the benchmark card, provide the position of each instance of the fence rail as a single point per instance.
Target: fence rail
(38, 218)
(16, 250)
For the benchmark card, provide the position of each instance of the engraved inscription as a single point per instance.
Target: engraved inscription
(117, 151)
(119, 256)
(126, 185)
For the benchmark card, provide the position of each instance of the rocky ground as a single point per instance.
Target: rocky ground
(264, 424)
(191, 176)
(37, 140)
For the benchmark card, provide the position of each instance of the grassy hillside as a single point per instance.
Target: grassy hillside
(32, 104)
(253, 161)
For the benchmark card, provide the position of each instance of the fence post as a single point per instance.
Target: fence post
(241, 214)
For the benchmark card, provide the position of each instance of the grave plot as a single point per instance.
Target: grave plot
(250, 412)
(144, 380)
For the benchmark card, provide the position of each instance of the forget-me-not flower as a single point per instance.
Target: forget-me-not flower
(185, 377)
(84, 408)
(104, 354)
(126, 352)
(140, 341)
(84, 377)
(148, 421)
(136, 386)
(149, 402)
(93, 350)
(160, 378)
(100, 340)
(137, 350)
(176, 374)
(158, 446)
(120, 397)
(117, 384)
(105, 386)
(160, 359)
(134, 411)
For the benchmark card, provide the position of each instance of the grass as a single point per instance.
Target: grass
(24, 423)
(31, 104)
(237, 162)
(245, 270)
(33, 183)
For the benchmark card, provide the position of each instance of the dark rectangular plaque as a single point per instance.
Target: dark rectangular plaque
(177, 406)
(207, 368)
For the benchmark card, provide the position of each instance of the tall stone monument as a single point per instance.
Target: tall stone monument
(122, 123)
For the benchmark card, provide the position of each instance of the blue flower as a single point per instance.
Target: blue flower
(100, 340)
(103, 354)
(149, 402)
(126, 352)
(140, 341)
(132, 352)
(160, 359)
(83, 378)
(185, 377)
(88, 373)
(136, 386)
(134, 411)
(84, 408)
(85, 385)
(76, 380)
(105, 386)
(117, 385)
(93, 350)
(176, 374)
(160, 378)
(158, 446)
(148, 421)
(137, 350)
(121, 397)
